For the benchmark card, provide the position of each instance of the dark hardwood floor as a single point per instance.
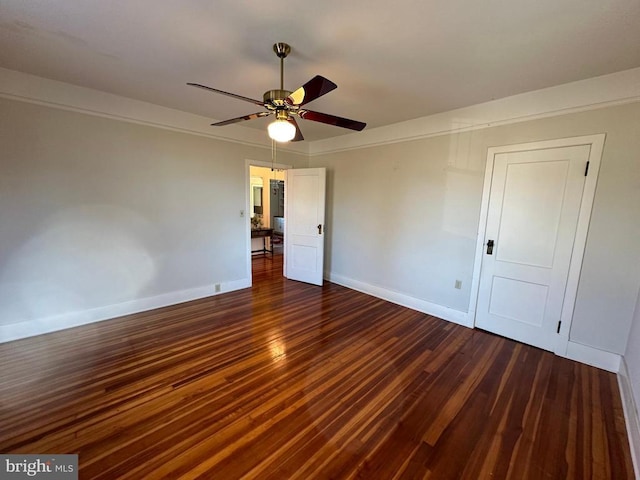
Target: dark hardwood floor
(292, 381)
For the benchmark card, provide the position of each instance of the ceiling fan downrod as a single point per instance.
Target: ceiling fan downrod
(282, 50)
(275, 99)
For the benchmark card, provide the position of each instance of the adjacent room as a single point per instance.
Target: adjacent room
(320, 240)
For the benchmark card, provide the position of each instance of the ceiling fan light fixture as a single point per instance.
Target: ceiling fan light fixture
(281, 130)
(286, 105)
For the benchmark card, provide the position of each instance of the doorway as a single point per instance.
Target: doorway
(265, 183)
(535, 213)
(266, 204)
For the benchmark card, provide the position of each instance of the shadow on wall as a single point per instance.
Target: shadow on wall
(82, 258)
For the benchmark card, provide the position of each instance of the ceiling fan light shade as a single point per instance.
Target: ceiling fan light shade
(282, 131)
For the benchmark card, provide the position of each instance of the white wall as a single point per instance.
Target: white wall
(402, 218)
(102, 217)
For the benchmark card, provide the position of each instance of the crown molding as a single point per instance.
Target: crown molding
(29, 88)
(590, 94)
(593, 93)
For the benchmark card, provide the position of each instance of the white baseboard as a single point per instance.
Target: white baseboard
(594, 357)
(446, 313)
(631, 418)
(15, 331)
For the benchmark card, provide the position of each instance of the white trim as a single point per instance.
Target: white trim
(580, 242)
(590, 94)
(596, 143)
(631, 418)
(440, 311)
(593, 93)
(42, 91)
(482, 228)
(54, 323)
(592, 356)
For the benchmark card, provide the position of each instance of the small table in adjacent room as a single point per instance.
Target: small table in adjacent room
(263, 233)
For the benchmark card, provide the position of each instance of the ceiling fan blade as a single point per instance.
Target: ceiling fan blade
(331, 120)
(239, 97)
(314, 88)
(298, 137)
(241, 119)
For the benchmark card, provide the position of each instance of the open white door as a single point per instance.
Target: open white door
(304, 226)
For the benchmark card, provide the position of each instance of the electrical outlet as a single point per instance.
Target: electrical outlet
(217, 288)
(458, 284)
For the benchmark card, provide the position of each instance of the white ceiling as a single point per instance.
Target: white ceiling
(392, 61)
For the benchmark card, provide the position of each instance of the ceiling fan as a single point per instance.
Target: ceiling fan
(286, 105)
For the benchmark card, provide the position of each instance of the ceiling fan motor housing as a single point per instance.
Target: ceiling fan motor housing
(275, 99)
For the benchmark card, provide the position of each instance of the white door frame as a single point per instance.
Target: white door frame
(247, 204)
(596, 143)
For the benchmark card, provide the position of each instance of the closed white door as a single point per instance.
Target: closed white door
(532, 216)
(304, 227)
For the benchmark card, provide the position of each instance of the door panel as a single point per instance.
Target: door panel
(531, 209)
(533, 212)
(304, 229)
(530, 308)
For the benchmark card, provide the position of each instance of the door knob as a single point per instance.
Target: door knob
(490, 247)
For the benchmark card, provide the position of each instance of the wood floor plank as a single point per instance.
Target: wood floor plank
(292, 381)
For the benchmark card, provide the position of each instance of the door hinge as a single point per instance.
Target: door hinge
(559, 323)
(586, 169)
